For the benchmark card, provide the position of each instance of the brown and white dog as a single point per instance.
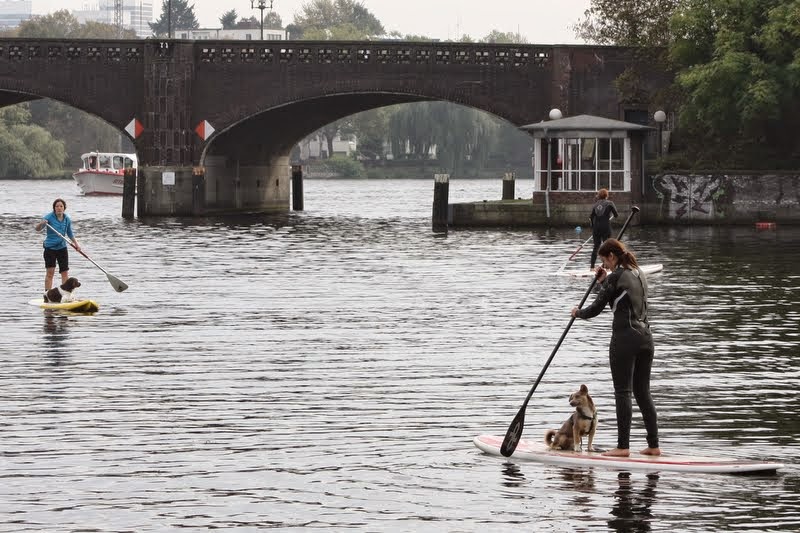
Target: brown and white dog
(63, 293)
(582, 422)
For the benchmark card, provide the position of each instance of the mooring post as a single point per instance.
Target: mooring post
(198, 190)
(441, 192)
(128, 192)
(509, 185)
(297, 187)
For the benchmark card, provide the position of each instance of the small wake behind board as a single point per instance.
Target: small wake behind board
(539, 452)
(77, 306)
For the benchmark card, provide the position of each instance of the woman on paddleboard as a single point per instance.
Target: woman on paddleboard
(600, 217)
(631, 348)
(55, 248)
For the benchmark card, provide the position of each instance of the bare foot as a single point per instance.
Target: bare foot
(651, 451)
(617, 452)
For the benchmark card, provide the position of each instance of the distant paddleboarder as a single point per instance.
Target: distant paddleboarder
(601, 214)
(55, 247)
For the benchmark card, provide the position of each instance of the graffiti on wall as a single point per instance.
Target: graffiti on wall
(693, 196)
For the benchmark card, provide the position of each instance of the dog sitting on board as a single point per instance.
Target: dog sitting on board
(62, 293)
(582, 422)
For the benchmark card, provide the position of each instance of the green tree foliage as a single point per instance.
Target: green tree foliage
(741, 78)
(335, 20)
(79, 131)
(62, 24)
(462, 137)
(183, 18)
(228, 19)
(28, 150)
(627, 22)
(250, 23)
(371, 130)
(272, 20)
(500, 37)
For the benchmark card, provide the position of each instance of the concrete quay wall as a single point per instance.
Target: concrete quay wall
(674, 199)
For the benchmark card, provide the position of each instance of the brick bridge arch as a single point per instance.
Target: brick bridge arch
(262, 97)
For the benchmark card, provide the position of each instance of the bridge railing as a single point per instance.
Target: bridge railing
(281, 52)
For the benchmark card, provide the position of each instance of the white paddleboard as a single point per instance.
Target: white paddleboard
(586, 273)
(539, 452)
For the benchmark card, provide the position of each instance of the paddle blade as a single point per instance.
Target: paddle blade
(118, 285)
(513, 434)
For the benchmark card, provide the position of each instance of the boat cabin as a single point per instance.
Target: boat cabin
(108, 162)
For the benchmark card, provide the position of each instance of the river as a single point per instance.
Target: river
(327, 370)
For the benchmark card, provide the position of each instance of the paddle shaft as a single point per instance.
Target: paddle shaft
(515, 429)
(118, 285)
(579, 248)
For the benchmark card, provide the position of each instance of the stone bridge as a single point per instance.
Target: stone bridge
(223, 116)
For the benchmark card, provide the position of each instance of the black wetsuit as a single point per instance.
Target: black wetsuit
(631, 349)
(601, 224)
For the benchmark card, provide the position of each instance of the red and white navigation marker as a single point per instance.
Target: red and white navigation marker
(134, 128)
(204, 130)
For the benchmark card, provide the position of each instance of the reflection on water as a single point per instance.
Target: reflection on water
(328, 370)
(633, 502)
(56, 334)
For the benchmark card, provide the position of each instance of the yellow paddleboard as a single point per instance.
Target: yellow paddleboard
(77, 306)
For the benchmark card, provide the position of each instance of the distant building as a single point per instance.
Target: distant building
(13, 12)
(234, 34)
(316, 146)
(136, 14)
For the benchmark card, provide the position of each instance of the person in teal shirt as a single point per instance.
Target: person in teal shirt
(55, 247)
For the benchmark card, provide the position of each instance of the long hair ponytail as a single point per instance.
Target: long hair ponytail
(626, 258)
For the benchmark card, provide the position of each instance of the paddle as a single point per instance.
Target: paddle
(515, 429)
(118, 285)
(579, 248)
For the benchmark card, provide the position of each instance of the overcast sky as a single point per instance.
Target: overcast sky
(540, 21)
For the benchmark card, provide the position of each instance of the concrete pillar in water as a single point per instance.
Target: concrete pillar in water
(297, 187)
(509, 185)
(441, 193)
(128, 192)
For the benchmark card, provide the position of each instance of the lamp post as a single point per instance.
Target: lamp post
(261, 6)
(169, 19)
(555, 114)
(660, 117)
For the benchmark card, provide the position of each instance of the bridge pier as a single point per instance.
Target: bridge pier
(165, 191)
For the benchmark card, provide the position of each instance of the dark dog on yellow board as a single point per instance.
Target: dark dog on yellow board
(582, 422)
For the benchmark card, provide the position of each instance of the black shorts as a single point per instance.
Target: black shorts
(52, 256)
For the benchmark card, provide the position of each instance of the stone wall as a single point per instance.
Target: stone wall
(722, 198)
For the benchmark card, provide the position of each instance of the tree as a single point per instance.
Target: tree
(370, 128)
(183, 18)
(228, 19)
(335, 20)
(28, 150)
(58, 25)
(627, 22)
(500, 37)
(273, 20)
(740, 77)
(251, 23)
(62, 24)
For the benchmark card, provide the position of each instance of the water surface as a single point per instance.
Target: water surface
(328, 370)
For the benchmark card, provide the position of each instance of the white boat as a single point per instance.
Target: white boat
(103, 173)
